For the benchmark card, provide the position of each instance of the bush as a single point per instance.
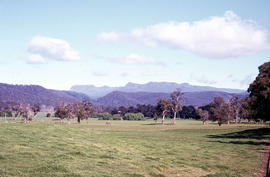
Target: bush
(105, 116)
(48, 115)
(134, 116)
(117, 117)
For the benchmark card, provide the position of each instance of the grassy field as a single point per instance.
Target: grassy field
(130, 148)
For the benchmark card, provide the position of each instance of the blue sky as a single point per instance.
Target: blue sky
(58, 44)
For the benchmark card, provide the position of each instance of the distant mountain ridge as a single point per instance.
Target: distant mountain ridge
(196, 99)
(154, 87)
(35, 94)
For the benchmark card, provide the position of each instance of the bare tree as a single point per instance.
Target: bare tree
(176, 97)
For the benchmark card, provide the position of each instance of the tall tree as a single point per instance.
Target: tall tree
(176, 97)
(259, 97)
(164, 106)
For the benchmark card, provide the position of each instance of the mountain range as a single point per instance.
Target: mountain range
(196, 99)
(152, 87)
(129, 95)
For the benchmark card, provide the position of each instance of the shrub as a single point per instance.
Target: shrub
(117, 117)
(134, 116)
(48, 115)
(105, 116)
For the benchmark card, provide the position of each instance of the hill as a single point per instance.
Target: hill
(156, 87)
(33, 94)
(118, 98)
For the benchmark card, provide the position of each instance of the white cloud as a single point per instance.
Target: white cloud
(52, 48)
(35, 59)
(134, 59)
(111, 36)
(214, 37)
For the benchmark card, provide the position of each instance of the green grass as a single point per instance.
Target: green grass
(130, 148)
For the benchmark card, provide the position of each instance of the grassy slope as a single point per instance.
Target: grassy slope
(129, 149)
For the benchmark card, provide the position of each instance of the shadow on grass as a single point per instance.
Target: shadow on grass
(245, 137)
(259, 134)
(243, 142)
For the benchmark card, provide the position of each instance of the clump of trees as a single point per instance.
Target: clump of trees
(166, 106)
(254, 107)
(222, 112)
(81, 110)
(25, 111)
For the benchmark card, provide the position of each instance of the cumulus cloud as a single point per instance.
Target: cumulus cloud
(51, 48)
(134, 59)
(35, 59)
(214, 37)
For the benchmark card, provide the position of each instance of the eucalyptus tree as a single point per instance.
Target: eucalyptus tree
(164, 106)
(176, 106)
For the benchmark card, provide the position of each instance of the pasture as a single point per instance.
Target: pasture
(45, 147)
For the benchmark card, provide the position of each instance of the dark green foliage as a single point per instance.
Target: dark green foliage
(134, 116)
(189, 112)
(259, 98)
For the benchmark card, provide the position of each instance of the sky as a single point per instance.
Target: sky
(59, 43)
